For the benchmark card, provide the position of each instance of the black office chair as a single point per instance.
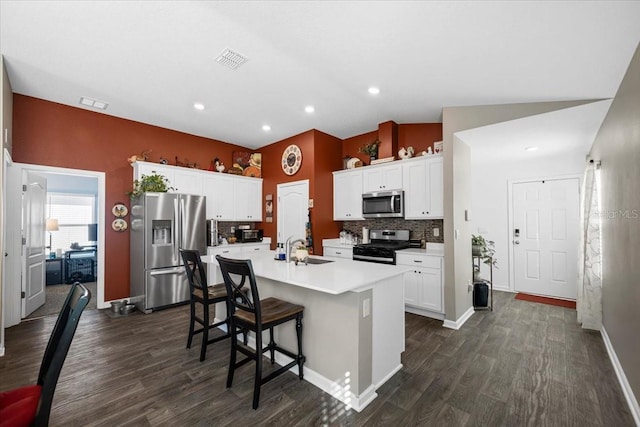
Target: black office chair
(205, 295)
(31, 405)
(257, 316)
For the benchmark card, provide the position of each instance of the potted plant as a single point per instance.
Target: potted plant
(153, 183)
(370, 149)
(484, 249)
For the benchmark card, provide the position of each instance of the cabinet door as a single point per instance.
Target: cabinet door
(416, 189)
(219, 191)
(436, 188)
(411, 287)
(249, 199)
(430, 294)
(214, 275)
(247, 251)
(146, 168)
(382, 178)
(187, 181)
(347, 196)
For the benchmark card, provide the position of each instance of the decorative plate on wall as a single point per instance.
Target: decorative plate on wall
(119, 224)
(291, 159)
(119, 210)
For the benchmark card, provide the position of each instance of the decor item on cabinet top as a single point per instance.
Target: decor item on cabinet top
(163, 161)
(353, 163)
(186, 164)
(216, 165)
(143, 157)
(406, 153)
(438, 146)
(370, 149)
(153, 183)
(429, 152)
(249, 164)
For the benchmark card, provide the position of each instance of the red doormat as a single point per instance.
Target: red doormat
(546, 300)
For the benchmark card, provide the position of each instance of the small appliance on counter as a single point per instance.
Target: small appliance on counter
(246, 235)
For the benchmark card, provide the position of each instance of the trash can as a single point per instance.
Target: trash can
(480, 295)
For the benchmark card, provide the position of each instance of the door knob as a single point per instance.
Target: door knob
(516, 242)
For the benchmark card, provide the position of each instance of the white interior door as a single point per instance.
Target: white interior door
(293, 210)
(545, 237)
(33, 232)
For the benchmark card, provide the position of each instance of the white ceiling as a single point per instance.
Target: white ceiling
(150, 61)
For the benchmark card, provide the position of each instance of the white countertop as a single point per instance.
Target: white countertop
(337, 277)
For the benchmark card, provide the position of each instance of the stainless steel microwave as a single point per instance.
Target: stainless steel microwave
(383, 204)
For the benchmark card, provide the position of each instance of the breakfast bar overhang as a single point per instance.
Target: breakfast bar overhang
(353, 321)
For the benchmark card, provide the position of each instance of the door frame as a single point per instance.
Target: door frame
(510, 184)
(12, 275)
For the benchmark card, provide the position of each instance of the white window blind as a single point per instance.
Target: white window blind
(74, 213)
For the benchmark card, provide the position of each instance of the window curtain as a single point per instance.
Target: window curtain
(589, 298)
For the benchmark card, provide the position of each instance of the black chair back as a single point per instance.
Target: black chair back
(196, 273)
(58, 347)
(236, 272)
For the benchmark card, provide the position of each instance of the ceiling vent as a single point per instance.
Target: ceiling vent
(231, 59)
(88, 102)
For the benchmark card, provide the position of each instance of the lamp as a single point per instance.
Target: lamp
(52, 225)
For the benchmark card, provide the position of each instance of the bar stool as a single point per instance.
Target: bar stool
(205, 295)
(257, 316)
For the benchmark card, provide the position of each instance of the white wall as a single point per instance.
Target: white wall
(489, 197)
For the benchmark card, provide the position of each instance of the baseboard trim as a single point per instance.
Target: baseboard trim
(622, 378)
(423, 312)
(1, 351)
(461, 321)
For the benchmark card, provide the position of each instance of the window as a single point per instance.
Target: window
(74, 213)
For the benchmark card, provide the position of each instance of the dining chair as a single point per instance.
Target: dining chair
(31, 405)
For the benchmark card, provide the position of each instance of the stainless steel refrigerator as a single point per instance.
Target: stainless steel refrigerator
(161, 224)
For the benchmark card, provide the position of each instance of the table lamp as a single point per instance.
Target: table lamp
(52, 225)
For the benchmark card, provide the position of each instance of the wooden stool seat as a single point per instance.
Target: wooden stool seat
(274, 312)
(214, 292)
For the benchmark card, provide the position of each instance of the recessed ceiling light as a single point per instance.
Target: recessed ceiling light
(531, 148)
(374, 90)
(88, 102)
(266, 128)
(198, 106)
(309, 109)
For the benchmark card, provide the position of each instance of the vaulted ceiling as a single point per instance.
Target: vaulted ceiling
(151, 61)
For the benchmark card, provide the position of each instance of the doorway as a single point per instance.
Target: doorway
(544, 236)
(293, 209)
(13, 260)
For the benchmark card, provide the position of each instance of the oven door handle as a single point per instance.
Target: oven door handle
(372, 258)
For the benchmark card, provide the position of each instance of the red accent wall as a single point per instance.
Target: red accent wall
(46, 133)
(321, 155)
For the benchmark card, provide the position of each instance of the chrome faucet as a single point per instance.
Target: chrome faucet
(288, 245)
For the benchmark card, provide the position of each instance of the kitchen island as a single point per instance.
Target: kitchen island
(353, 326)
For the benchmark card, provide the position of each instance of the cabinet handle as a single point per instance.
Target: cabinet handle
(256, 249)
(225, 252)
(417, 260)
(338, 253)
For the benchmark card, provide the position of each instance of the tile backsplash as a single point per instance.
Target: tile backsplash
(420, 229)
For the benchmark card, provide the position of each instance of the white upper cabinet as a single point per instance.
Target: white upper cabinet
(219, 191)
(229, 197)
(382, 178)
(423, 188)
(248, 199)
(347, 195)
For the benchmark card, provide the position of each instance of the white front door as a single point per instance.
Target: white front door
(545, 237)
(33, 249)
(293, 210)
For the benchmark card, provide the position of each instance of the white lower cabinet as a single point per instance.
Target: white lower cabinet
(238, 251)
(423, 285)
(345, 252)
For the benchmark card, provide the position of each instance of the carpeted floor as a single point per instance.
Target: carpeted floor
(546, 300)
(56, 295)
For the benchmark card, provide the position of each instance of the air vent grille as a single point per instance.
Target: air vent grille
(231, 59)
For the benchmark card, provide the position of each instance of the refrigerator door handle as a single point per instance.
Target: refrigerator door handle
(176, 231)
(175, 270)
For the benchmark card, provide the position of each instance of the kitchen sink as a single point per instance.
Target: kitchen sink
(318, 261)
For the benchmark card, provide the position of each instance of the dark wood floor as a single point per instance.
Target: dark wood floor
(523, 364)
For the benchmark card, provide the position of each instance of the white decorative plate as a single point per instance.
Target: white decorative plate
(119, 224)
(119, 210)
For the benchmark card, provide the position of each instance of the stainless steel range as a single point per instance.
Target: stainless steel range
(383, 246)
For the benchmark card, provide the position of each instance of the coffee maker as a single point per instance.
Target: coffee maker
(212, 232)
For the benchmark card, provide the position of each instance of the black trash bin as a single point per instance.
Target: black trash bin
(480, 295)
